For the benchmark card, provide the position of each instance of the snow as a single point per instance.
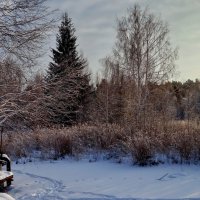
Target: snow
(5, 174)
(70, 179)
(4, 196)
(5, 156)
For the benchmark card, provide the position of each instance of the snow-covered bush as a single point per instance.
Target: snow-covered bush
(141, 148)
(53, 143)
(150, 145)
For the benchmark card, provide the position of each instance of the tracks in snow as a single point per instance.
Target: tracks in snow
(39, 188)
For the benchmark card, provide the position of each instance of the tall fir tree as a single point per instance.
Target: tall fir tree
(67, 80)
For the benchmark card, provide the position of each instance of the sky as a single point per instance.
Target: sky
(95, 23)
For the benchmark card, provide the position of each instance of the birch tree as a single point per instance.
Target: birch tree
(144, 53)
(23, 27)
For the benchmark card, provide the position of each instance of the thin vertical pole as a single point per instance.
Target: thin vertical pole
(1, 148)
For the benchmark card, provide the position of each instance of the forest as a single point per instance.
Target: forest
(134, 109)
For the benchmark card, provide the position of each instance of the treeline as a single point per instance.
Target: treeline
(133, 108)
(169, 101)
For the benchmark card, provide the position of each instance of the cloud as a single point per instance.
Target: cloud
(95, 22)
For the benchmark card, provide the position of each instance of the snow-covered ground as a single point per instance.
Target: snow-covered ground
(70, 179)
(4, 196)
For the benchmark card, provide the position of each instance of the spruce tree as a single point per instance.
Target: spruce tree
(67, 80)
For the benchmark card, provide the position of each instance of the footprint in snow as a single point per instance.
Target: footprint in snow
(168, 176)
